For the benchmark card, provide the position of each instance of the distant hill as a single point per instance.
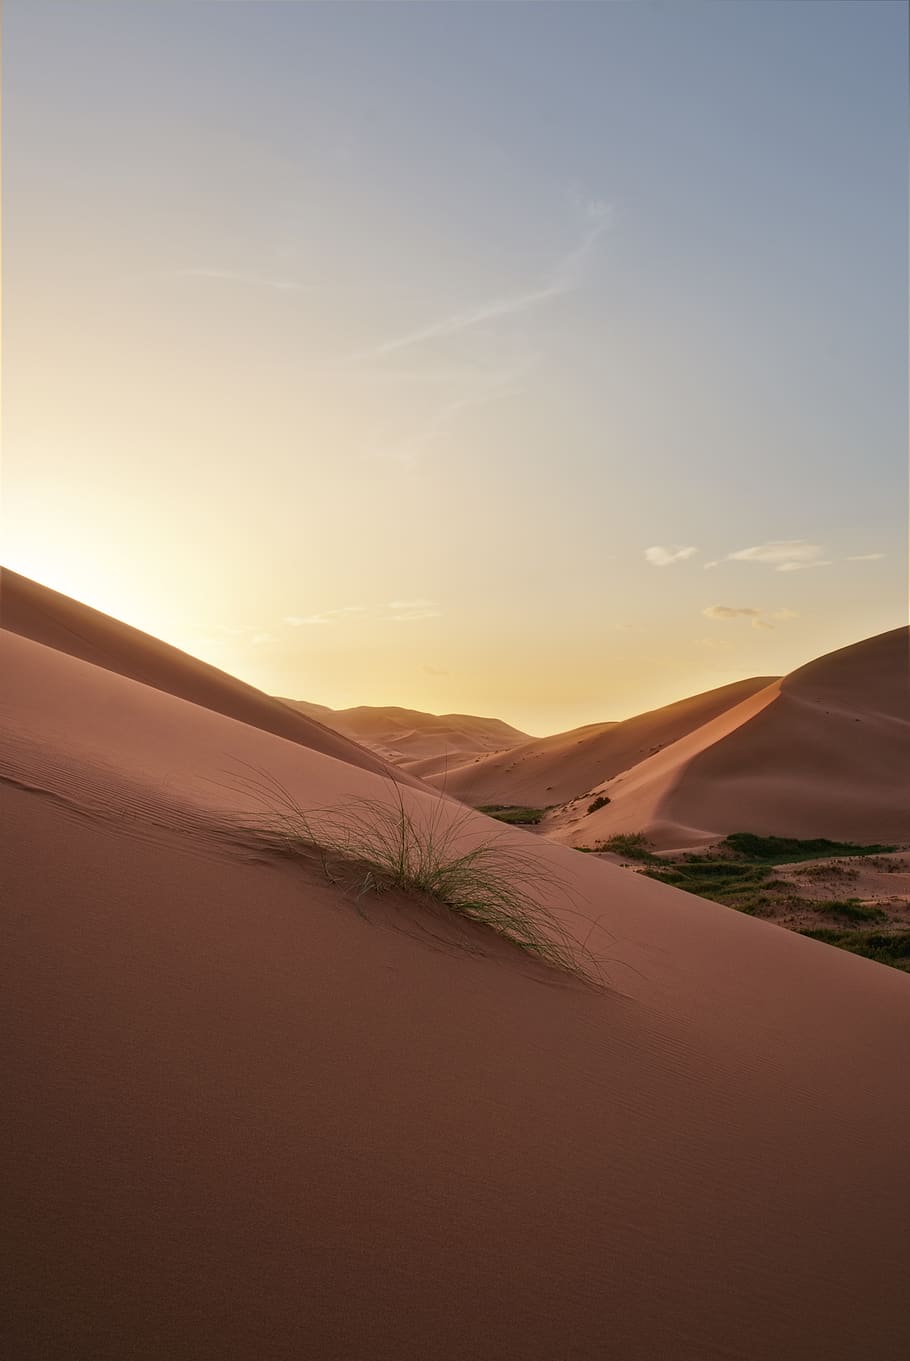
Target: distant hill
(422, 743)
(552, 770)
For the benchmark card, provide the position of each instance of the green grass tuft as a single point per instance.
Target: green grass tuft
(374, 845)
(633, 845)
(600, 802)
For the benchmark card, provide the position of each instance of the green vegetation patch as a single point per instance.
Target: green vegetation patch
(850, 910)
(516, 817)
(886, 948)
(824, 872)
(735, 883)
(600, 802)
(784, 850)
(740, 873)
(633, 845)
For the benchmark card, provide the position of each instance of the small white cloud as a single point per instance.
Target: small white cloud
(784, 555)
(325, 617)
(232, 276)
(411, 616)
(761, 619)
(727, 612)
(864, 557)
(709, 565)
(662, 555)
(402, 611)
(802, 566)
(779, 550)
(410, 611)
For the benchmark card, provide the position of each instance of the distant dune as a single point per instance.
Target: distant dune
(419, 742)
(249, 1116)
(552, 770)
(824, 752)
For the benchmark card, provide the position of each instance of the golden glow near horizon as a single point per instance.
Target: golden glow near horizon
(545, 449)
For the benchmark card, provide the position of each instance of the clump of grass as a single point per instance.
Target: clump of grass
(782, 850)
(850, 909)
(375, 845)
(633, 845)
(600, 802)
(827, 872)
(884, 947)
(513, 815)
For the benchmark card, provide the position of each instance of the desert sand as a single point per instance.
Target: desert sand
(825, 752)
(249, 1116)
(425, 744)
(554, 770)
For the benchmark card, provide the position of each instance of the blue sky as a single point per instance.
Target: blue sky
(313, 310)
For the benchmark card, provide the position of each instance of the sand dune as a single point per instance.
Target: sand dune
(249, 1117)
(824, 752)
(422, 743)
(47, 617)
(552, 770)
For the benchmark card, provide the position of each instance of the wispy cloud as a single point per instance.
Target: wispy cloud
(409, 611)
(325, 616)
(760, 619)
(396, 611)
(708, 565)
(803, 566)
(233, 276)
(864, 557)
(727, 612)
(663, 555)
(784, 555)
(564, 275)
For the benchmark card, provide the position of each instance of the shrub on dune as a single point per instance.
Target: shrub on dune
(373, 845)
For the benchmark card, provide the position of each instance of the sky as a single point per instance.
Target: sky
(545, 361)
